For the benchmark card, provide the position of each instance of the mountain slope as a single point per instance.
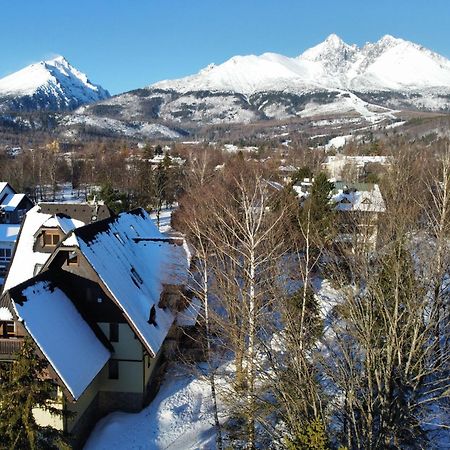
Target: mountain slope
(52, 85)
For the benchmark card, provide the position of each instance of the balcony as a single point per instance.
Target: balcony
(8, 347)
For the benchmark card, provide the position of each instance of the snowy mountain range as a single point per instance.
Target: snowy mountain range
(332, 78)
(52, 85)
(371, 83)
(387, 65)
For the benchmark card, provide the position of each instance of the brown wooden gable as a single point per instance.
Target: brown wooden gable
(83, 286)
(46, 239)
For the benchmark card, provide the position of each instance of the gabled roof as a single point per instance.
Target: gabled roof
(5, 185)
(11, 202)
(62, 335)
(25, 258)
(134, 261)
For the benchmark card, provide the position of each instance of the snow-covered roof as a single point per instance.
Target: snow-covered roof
(11, 202)
(8, 232)
(366, 198)
(65, 223)
(134, 260)
(5, 314)
(66, 340)
(4, 185)
(25, 258)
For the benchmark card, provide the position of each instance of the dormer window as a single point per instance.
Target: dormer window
(366, 201)
(50, 238)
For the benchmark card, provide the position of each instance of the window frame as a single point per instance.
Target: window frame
(52, 234)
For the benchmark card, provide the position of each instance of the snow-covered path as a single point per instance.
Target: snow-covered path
(180, 417)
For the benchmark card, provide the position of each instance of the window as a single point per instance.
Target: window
(113, 369)
(50, 238)
(5, 255)
(136, 277)
(8, 329)
(72, 259)
(119, 238)
(114, 332)
(134, 229)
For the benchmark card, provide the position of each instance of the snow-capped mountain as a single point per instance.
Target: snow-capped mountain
(52, 85)
(387, 65)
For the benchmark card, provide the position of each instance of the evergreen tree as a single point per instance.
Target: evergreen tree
(301, 174)
(115, 200)
(317, 209)
(23, 388)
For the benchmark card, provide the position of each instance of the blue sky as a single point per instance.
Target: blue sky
(126, 44)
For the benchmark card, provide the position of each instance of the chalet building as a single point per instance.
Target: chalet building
(105, 310)
(360, 207)
(13, 207)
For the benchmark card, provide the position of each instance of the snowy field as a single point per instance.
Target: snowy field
(180, 417)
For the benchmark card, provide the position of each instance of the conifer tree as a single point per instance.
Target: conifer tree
(25, 387)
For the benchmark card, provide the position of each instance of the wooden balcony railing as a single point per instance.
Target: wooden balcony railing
(8, 347)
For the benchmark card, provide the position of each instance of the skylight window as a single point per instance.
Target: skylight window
(119, 238)
(134, 229)
(136, 277)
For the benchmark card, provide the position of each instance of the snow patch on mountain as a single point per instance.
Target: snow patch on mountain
(134, 129)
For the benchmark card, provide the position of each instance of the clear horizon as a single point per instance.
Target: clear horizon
(127, 46)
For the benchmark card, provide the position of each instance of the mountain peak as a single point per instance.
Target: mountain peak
(58, 59)
(334, 40)
(51, 84)
(389, 39)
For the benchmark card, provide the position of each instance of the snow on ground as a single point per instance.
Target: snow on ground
(180, 417)
(395, 125)
(338, 141)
